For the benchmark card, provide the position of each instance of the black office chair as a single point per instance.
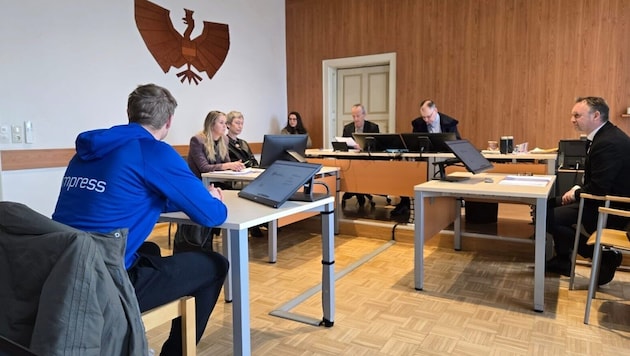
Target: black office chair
(361, 198)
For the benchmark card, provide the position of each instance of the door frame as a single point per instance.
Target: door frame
(329, 80)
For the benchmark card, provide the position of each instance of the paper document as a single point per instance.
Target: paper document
(348, 140)
(542, 150)
(530, 181)
(243, 171)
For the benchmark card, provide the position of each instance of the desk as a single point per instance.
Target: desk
(428, 225)
(243, 214)
(397, 173)
(329, 175)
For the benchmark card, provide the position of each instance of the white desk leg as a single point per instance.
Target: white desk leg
(328, 264)
(418, 241)
(272, 241)
(239, 268)
(227, 252)
(457, 226)
(539, 260)
(337, 200)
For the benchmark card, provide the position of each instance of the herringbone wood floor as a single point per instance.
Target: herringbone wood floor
(476, 302)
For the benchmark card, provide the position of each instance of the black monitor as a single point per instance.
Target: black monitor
(467, 154)
(416, 142)
(282, 147)
(438, 140)
(379, 142)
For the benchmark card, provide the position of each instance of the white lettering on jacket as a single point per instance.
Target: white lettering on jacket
(83, 183)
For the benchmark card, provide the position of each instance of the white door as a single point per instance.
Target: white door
(368, 86)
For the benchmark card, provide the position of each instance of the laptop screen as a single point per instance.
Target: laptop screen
(276, 184)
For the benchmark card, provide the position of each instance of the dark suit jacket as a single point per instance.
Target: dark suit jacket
(606, 170)
(447, 124)
(368, 127)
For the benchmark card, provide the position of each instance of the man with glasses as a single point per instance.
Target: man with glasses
(430, 120)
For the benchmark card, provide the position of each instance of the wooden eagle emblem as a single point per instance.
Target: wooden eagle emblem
(206, 53)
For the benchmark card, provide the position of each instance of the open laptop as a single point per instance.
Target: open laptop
(281, 181)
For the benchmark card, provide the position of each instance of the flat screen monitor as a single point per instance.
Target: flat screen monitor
(380, 142)
(472, 159)
(416, 142)
(438, 140)
(282, 147)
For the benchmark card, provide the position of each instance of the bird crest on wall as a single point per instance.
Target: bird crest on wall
(205, 53)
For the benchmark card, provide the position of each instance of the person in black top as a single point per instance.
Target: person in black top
(359, 124)
(238, 148)
(430, 120)
(606, 172)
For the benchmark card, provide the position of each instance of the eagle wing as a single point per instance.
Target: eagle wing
(212, 47)
(158, 33)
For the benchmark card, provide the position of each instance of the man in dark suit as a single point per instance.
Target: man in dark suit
(430, 120)
(606, 172)
(359, 124)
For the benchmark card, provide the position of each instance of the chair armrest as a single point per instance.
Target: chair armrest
(613, 211)
(593, 196)
(618, 199)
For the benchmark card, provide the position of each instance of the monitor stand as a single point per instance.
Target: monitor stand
(307, 194)
(296, 156)
(442, 168)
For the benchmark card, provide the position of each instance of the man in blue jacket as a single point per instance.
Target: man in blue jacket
(124, 177)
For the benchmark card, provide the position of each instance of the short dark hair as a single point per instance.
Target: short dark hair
(596, 103)
(151, 105)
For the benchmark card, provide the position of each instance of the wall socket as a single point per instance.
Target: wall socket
(17, 135)
(5, 134)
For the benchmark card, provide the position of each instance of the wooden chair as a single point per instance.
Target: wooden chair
(604, 237)
(579, 230)
(184, 307)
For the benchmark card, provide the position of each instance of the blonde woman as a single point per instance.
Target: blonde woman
(208, 149)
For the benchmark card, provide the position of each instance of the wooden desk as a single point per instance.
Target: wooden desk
(383, 177)
(427, 224)
(243, 214)
(328, 175)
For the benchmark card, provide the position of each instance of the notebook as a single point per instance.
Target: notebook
(280, 182)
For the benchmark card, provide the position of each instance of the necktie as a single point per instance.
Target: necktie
(588, 145)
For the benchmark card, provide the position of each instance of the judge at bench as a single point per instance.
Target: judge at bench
(359, 125)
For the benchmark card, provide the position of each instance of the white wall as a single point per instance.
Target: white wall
(69, 65)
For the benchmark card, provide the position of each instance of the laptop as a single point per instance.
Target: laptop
(340, 146)
(281, 181)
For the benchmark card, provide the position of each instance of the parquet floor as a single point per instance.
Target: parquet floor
(477, 301)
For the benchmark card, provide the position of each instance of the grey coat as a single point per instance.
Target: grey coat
(64, 291)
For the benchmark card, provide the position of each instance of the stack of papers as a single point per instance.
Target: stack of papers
(529, 181)
(542, 150)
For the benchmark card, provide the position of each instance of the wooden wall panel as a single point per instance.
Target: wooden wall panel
(59, 157)
(502, 67)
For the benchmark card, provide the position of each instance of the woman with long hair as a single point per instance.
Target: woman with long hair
(296, 127)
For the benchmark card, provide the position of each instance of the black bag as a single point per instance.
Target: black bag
(194, 237)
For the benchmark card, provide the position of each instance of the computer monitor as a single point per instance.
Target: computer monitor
(416, 142)
(438, 140)
(282, 147)
(380, 142)
(467, 154)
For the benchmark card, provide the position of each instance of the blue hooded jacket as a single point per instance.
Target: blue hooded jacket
(123, 177)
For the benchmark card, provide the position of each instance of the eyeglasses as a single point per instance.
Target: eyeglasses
(428, 116)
